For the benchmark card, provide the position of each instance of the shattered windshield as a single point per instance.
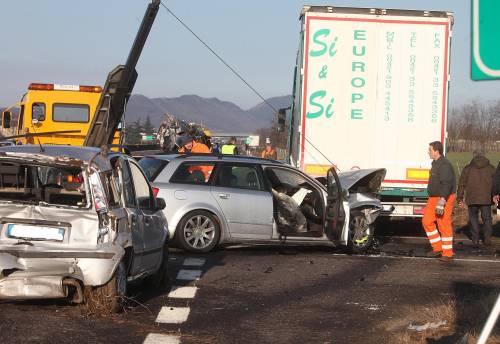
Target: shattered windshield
(35, 184)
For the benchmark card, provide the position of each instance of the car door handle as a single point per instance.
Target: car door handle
(224, 196)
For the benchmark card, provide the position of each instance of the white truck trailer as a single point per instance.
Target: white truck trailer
(371, 90)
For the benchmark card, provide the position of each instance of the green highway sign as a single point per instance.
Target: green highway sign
(485, 40)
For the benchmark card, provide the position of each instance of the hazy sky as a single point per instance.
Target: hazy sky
(79, 42)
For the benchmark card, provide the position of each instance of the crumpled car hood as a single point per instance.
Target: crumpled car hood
(365, 180)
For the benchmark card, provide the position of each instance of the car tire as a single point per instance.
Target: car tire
(361, 234)
(110, 297)
(159, 280)
(198, 231)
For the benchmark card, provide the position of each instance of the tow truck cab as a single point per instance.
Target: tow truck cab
(56, 114)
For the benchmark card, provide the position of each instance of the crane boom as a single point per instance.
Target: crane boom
(118, 87)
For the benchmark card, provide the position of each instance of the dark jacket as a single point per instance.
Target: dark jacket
(442, 181)
(476, 182)
(496, 181)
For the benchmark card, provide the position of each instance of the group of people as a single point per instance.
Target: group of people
(478, 188)
(202, 144)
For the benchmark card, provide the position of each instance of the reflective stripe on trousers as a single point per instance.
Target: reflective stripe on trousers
(440, 236)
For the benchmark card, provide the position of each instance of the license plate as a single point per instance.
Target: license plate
(35, 232)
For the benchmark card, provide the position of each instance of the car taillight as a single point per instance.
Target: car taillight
(418, 210)
(155, 191)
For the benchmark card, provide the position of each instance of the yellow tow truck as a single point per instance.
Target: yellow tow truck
(53, 114)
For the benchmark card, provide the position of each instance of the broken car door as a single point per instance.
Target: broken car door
(134, 215)
(152, 229)
(335, 214)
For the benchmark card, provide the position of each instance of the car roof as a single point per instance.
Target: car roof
(59, 154)
(216, 158)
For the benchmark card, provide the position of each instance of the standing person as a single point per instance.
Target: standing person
(230, 147)
(476, 181)
(269, 152)
(441, 190)
(496, 186)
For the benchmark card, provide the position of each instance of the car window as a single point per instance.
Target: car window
(278, 177)
(127, 187)
(77, 113)
(193, 173)
(152, 167)
(142, 188)
(238, 176)
(34, 184)
(38, 111)
(110, 189)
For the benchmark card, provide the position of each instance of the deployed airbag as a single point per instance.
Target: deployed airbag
(289, 217)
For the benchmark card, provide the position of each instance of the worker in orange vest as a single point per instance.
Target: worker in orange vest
(441, 190)
(190, 145)
(269, 152)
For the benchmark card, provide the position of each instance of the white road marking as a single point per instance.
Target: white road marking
(182, 292)
(189, 275)
(470, 260)
(194, 261)
(156, 338)
(172, 315)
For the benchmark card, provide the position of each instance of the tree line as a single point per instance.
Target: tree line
(134, 130)
(473, 125)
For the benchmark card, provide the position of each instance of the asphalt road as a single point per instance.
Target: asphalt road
(268, 294)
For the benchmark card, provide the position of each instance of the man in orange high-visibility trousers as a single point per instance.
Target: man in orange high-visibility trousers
(441, 190)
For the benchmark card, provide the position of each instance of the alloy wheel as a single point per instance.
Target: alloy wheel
(199, 231)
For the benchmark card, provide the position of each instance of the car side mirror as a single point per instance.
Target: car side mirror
(160, 203)
(6, 119)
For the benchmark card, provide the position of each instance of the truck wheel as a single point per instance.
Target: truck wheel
(360, 233)
(108, 298)
(159, 280)
(198, 231)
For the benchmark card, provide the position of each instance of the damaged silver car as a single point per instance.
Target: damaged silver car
(216, 200)
(77, 223)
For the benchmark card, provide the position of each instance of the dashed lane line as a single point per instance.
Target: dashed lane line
(172, 315)
(189, 275)
(182, 292)
(157, 338)
(194, 261)
(177, 315)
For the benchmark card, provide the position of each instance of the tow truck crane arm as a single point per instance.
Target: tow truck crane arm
(118, 87)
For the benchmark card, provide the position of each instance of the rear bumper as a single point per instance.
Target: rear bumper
(402, 209)
(32, 287)
(36, 273)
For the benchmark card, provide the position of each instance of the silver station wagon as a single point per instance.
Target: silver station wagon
(216, 200)
(77, 223)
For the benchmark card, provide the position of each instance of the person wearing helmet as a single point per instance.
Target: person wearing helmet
(269, 152)
(206, 139)
(190, 145)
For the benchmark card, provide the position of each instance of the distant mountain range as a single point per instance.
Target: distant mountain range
(213, 113)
